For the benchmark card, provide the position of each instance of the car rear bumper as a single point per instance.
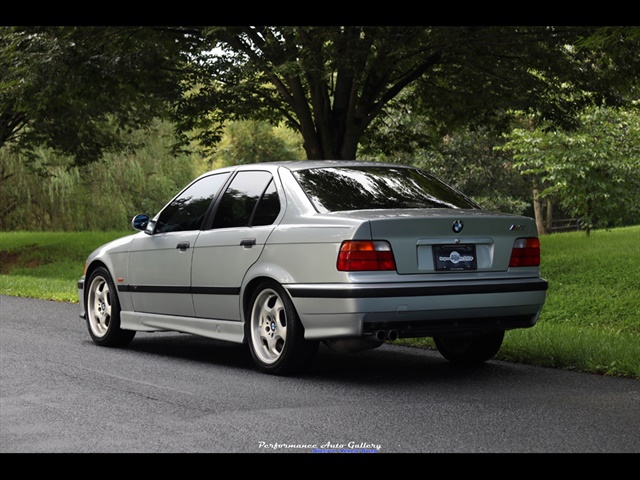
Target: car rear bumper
(417, 309)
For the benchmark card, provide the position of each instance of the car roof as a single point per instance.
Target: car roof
(295, 165)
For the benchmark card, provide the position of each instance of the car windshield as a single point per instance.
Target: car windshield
(334, 189)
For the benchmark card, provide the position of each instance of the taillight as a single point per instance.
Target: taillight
(356, 255)
(525, 253)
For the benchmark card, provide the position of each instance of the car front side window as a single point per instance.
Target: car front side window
(187, 210)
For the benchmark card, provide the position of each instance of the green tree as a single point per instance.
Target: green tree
(76, 89)
(335, 85)
(253, 141)
(593, 170)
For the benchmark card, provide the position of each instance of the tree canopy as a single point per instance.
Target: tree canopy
(337, 85)
(76, 88)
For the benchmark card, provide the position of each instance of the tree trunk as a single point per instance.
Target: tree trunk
(537, 209)
(549, 220)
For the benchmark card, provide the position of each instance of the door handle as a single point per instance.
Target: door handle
(247, 242)
(182, 246)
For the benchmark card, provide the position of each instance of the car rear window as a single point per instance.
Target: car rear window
(334, 189)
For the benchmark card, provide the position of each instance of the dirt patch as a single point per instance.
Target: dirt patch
(9, 259)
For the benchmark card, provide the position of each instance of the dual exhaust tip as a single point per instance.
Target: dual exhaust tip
(383, 335)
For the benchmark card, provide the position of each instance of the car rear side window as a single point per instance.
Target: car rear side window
(250, 200)
(334, 189)
(187, 210)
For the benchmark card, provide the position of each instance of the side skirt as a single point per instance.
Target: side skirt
(206, 327)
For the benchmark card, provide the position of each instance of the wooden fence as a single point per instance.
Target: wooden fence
(565, 225)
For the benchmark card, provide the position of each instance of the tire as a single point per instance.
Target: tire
(103, 311)
(275, 333)
(469, 350)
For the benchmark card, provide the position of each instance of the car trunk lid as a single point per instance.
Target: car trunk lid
(449, 240)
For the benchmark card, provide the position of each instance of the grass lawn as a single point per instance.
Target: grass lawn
(590, 322)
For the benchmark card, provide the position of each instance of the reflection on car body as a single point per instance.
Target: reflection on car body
(285, 255)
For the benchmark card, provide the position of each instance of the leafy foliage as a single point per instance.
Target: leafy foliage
(77, 89)
(593, 170)
(336, 85)
(435, 96)
(250, 141)
(101, 196)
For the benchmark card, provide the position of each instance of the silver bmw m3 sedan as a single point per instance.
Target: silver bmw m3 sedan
(283, 256)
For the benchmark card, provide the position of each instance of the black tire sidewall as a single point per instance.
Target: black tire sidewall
(479, 349)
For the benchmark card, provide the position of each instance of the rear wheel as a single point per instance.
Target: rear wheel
(103, 311)
(275, 333)
(471, 349)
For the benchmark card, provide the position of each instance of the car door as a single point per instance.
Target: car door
(160, 263)
(244, 219)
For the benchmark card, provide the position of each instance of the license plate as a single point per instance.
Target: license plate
(454, 257)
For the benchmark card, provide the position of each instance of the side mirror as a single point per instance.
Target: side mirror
(140, 222)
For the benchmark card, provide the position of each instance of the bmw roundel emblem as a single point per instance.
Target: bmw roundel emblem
(457, 226)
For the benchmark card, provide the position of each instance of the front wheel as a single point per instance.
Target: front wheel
(103, 311)
(469, 350)
(275, 333)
